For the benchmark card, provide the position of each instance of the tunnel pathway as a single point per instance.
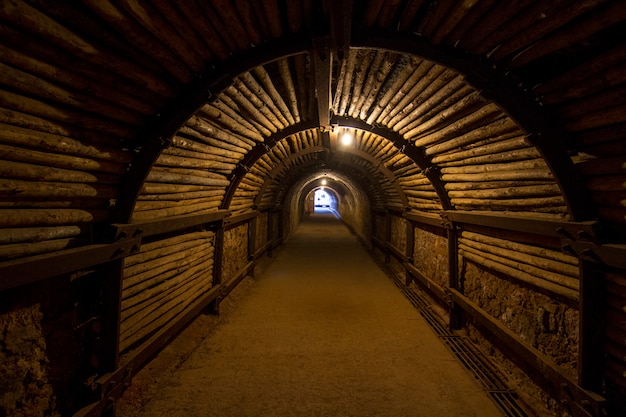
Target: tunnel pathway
(323, 332)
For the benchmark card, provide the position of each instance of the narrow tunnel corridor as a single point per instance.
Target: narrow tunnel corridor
(155, 153)
(323, 332)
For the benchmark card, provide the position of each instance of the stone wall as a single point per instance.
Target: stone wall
(430, 254)
(235, 255)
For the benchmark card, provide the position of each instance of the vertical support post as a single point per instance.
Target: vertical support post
(387, 236)
(591, 327)
(410, 247)
(112, 275)
(270, 233)
(252, 225)
(279, 215)
(456, 315)
(218, 269)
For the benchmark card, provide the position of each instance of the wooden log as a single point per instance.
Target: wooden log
(199, 208)
(39, 234)
(61, 58)
(436, 93)
(233, 144)
(509, 192)
(77, 82)
(304, 100)
(20, 250)
(50, 217)
(370, 62)
(191, 145)
(45, 141)
(202, 173)
(455, 122)
(135, 34)
(409, 13)
(176, 161)
(520, 275)
(566, 264)
(604, 71)
(500, 158)
(28, 84)
(452, 19)
(606, 183)
(196, 19)
(531, 164)
(38, 124)
(190, 195)
(601, 100)
(405, 92)
(499, 129)
(528, 27)
(144, 205)
(254, 107)
(580, 30)
(503, 145)
(519, 203)
(172, 178)
(137, 295)
(24, 189)
(158, 249)
(259, 95)
(155, 293)
(590, 120)
(151, 267)
(165, 33)
(217, 112)
(524, 175)
(250, 21)
(431, 96)
(287, 79)
(275, 96)
(491, 21)
(407, 103)
(610, 199)
(185, 153)
(34, 21)
(133, 331)
(40, 108)
(23, 171)
(462, 186)
(374, 84)
(399, 76)
(604, 166)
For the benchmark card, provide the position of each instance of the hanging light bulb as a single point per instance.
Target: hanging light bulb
(324, 182)
(346, 139)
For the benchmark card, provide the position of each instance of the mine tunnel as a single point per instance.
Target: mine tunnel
(155, 154)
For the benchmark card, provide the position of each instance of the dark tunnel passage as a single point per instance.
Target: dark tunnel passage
(154, 154)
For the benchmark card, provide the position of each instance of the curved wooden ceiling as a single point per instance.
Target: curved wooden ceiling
(113, 110)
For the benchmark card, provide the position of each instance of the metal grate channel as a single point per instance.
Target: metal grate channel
(472, 359)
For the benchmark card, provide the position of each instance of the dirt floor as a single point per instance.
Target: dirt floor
(321, 331)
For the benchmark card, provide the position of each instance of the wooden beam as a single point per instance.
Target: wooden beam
(170, 224)
(32, 269)
(322, 70)
(586, 231)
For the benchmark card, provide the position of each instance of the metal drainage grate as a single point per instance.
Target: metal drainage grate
(472, 359)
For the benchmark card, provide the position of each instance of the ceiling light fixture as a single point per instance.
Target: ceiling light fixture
(346, 139)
